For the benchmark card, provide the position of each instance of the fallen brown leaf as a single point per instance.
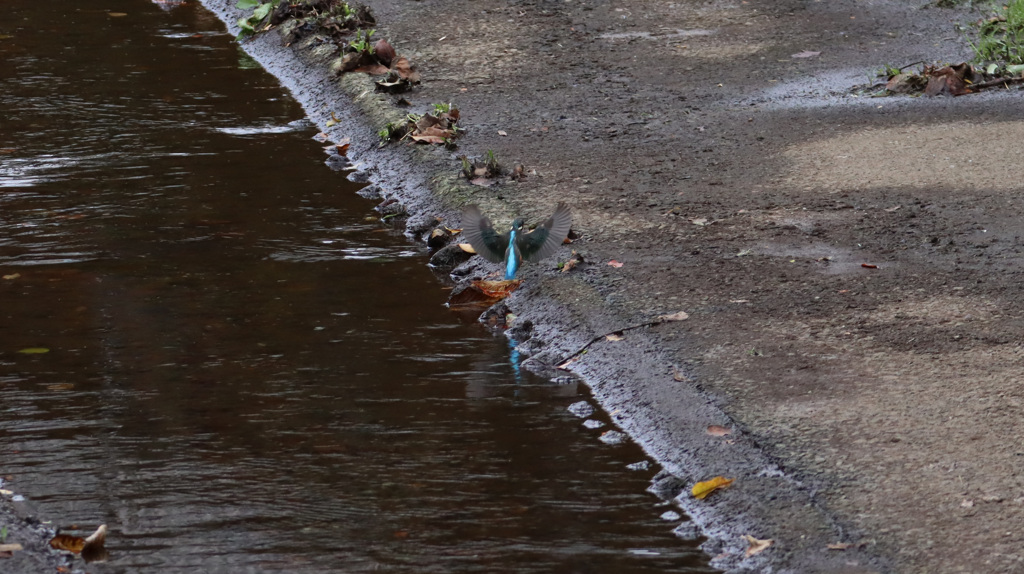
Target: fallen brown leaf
(384, 52)
(568, 362)
(405, 70)
(571, 263)
(614, 337)
(949, 80)
(679, 316)
(719, 430)
(840, 545)
(756, 546)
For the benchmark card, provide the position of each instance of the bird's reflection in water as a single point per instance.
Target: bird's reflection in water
(502, 374)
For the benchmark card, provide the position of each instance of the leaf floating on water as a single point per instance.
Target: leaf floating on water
(68, 543)
(12, 276)
(701, 490)
(99, 537)
(756, 546)
(498, 289)
(34, 351)
(719, 430)
(92, 545)
(60, 387)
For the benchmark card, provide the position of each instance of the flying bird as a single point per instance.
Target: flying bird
(515, 245)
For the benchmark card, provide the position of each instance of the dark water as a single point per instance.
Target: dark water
(245, 374)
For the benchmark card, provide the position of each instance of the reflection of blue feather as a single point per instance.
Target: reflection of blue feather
(513, 359)
(515, 245)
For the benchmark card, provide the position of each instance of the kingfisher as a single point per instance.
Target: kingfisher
(515, 245)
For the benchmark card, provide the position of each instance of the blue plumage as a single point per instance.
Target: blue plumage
(515, 245)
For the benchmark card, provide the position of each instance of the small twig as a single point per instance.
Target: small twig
(561, 364)
(996, 82)
(911, 64)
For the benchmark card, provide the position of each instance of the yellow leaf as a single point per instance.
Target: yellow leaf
(756, 546)
(702, 489)
(467, 248)
(34, 351)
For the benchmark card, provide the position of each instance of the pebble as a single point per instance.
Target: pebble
(687, 531)
(582, 409)
(613, 437)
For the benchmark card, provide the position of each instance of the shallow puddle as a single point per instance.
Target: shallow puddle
(235, 366)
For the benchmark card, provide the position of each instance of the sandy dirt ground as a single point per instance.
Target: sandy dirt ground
(879, 408)
(876, 407)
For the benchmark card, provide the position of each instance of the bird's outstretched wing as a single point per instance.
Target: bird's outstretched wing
(546, 238)
(481, 235)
